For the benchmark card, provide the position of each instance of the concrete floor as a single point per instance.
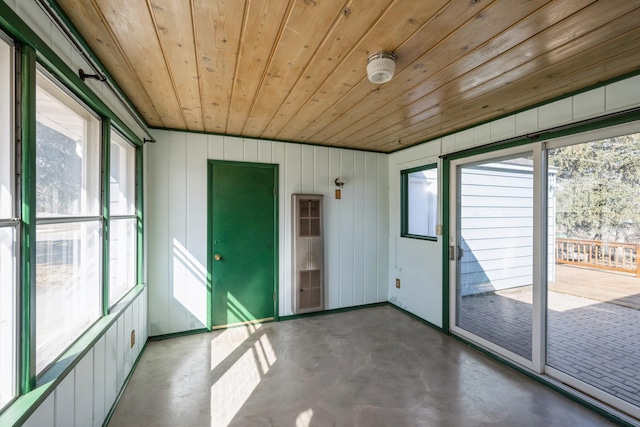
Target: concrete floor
(370, 367)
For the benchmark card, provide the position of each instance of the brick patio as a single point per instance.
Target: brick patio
(595, 341)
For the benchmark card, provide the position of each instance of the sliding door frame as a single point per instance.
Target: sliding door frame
(539, 188)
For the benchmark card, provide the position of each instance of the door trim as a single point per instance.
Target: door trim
(276, 230)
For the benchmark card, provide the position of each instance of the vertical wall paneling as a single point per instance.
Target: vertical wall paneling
(193, 252)
(177, 172)
(99, 381)
(250, 150)
(216, 147)
(84, 391)
(157, 232)
(369, 220)
(307, 164)
(65, 402)
(358, 227)
(120, 348)
(383, 227)
(44, 416)
(87, 393)
(346, 229)
(292, 184)
(126, 341)
(279, 157)
(233, 148)
(359, 217)
(111, 365)
(264, 152)
(332, 238)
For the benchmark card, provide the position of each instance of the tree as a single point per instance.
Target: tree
(58, 172)
(598, 189)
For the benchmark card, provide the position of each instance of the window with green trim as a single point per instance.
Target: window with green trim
(68, 221)
(122, 217)
(8, 230)
(419, 189)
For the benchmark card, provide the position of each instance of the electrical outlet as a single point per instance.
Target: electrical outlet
(133, 338)
(398, 283)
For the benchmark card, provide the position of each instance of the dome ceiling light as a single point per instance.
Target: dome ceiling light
(380, 67)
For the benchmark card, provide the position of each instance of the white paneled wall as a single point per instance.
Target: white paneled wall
(87, 393)
(356, 225)
(418, 263)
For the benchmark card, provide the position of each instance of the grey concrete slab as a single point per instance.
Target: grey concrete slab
(371, 367)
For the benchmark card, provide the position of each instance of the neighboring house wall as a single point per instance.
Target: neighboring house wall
(87, 393)
(496, 227)
(356, 226)
(418, 263)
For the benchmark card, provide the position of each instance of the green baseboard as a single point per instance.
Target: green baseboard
(178, 334)
(332, 311)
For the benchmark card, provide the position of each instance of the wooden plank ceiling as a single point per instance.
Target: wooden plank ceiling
(296, 70)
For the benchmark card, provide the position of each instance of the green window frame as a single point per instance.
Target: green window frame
(32, 384)
(9, 227)
(419, 202)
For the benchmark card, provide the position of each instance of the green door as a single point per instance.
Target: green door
(242, 242)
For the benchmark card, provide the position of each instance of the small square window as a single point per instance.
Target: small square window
(419, 202)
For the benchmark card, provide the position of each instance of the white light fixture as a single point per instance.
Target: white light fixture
(380, 67)
(340, 182)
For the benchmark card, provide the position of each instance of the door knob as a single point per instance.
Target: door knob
(217, 257)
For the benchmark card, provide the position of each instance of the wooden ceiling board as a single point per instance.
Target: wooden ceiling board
(305, 30)
(329, 62)
(175, 31)
(462, 43)
(261, 32)
(99, 36)
(509, 89)
(217, 30)
(419, 98)
(136, 35)
(429, 35)
(342, 82)
(295, 70)
(522, 60)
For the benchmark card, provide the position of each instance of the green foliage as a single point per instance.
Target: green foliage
(58, 172)
(598, 189)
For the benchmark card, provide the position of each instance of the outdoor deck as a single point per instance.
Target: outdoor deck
(606, 286)
(593, 321)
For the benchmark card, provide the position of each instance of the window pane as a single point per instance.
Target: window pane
(67, 155)
(422, 202)
(67, 285)
(122, 177)
(8, 365)
(494, 290)
(593, 304)
(122, 257)
(6, 139)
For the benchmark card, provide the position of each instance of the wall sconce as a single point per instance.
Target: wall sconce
(340, 181)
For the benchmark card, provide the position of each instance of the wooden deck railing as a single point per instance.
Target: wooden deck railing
(596, 254)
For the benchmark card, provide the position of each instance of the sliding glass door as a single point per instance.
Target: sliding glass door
(593, 311)
(492, 252)
(543, 253)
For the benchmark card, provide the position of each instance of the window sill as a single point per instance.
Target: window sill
(17, 412)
